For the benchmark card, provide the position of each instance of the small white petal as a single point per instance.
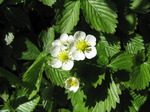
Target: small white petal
(79, 35)
(91, 54)
(56, 63)
(63, 37)
(77, 55)
(72, 47)
(91, 39)
(67, 65)
(55, 51)
(67, 86)
(70, 39)
(56, 43)
(62, 47)
(74, 89)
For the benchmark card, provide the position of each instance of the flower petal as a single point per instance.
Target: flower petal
(77, 55)
(67, 65)
(56, 63)
(70, 39)
(91, 54)
(63, 47)
(79, 35)
(57, 42)
(63, 37)
(74, 89)
(72, 47)
(55, 51)
(91, 39)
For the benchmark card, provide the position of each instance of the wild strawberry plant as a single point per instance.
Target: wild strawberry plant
(74, 55)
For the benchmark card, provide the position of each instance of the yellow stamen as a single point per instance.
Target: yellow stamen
(63, 56)
(82, 45)
(72, 82)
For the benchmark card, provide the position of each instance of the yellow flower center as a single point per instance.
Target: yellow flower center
(72, 82)
(63, 56)
(82, 45)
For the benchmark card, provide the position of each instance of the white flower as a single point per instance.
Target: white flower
(62, 58)
(72, 84)
(9, 38)
(83, 46)
(63, 41)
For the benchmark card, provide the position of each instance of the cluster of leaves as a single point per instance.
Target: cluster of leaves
(118, 76)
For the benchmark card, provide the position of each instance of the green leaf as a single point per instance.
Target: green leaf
(108, 47)
(47, 37)
(4, 95)
(1, 1)
(77, 100)
(100, 80)
(139, 77)
(135, 44)
(31, 53)
(140, 6)
(70, 17)
(100, 14)
(122, 61)
(138, 100)
(57, 76)
(48, 2)
(28, 106)
(110, 101)
(33, 76)
(12, 78)
(111, 46)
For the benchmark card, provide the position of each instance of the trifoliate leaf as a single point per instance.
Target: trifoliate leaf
(100, 14)
(135, 44)
(47, 37)
(110, 101)
(48, 2)
(31, 53)
(28, 106)
(33, 76)
(121, 61)
(140, 77)
(140, 6)
(70, 17)
(57, 76)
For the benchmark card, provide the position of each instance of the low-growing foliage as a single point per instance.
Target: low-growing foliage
(74, 55)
